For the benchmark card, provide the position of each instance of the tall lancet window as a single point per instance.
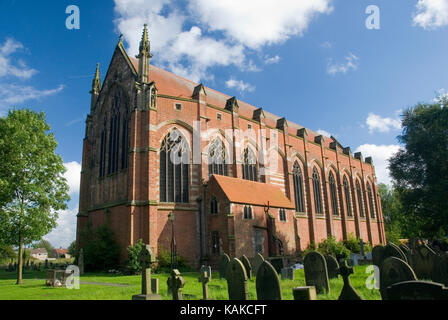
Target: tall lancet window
(114, 134)
(334, 195)
(317, 192)
(125, 142)
(103, 150)
(250, 171)
(359, 194)
(174, 168)
(371, 205)
(348, 201)
(217, 158)
(298, 188)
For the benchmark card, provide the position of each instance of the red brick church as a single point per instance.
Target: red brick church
(238, 179)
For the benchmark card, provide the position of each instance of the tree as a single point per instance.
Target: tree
(7, 252)
(32, 186)
(44, 244)
(420, 170)
(72, 249)
(395, 225)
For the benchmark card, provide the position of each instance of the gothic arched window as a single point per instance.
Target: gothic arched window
(114, 134)
(348, 201)
(334, 194)
(217, 158)
(250, 171)
(247, 213)
(371, 205)
(103, 150)
(359, 195)
(317, 192)
(298, 188)
(174, 168)
(125, 142)
(282, 215)
(213, 205)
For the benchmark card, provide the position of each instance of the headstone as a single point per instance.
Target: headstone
(316, 273)
(257, 261)
(423, 259)
(236, 280)
(304, 293)
(176, 282)
(223, 263)
(407, 252)
(155, 286)
(440, 269)
(332, 267)
(417, 290)
(146, 258)
(348, 292)
(207, 269)
(247, 266)
(377, 255)
(288, 274)
(204, 279)
(394, 270)
(81, 261)
(267, 283)
(392, 250)
(278, 264)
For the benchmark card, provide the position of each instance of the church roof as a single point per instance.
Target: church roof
(253, 193)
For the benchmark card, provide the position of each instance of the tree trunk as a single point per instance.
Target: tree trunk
(20, 264)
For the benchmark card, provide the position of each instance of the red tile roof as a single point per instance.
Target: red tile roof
(61, 251)
(254, 193)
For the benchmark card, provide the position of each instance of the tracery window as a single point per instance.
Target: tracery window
(298, 188)
(217, 158)
(334, 194)
(250, 171)
(317, 192)
(348, 201)
(359, 195)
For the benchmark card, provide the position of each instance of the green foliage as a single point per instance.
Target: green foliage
(7, 253)
(334, 248)
(352, 243)
(133, 265)
(72, 249)
(101, 251)
(164, 262)
(311, 247)
(395, 224)
(420, 170)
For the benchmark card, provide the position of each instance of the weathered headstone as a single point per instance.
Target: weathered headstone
(204, 279)
(257, 261)
(332, 266)
(146, 258)
(81, 261)
(236, 280)
(377, 255)
(417, 290)
(394, 270)
(207, 269)
(267, 283)
(304, 293)
(176, 282)
(440, 269)
(392, 250)
(348, 292)
(423, 259)
(223, 263)
(316, 273)
(288, 273)
(247, 266)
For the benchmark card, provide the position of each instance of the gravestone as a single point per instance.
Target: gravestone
(316, 273)
(304, 293)
(407, 252)
(81, 261)
(155, 286)
(394, 270)
(392, 250)
(440, 269)
(175, 284)
(257, 261)
(423, 259)
(207, 269)
(417, 290)
(236, 280)
(204, 279)
(247, 266)
(348, 292)
(267, 283)
(288, 274)
(377, 255)
(146, 258)
(223, 263)
(332, 267)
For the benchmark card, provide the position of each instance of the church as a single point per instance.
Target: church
(163, 156)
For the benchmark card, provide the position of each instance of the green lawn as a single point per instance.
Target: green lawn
(34, 287)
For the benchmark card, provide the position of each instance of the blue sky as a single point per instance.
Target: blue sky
(313, 62)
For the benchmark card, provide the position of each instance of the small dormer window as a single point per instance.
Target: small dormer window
(178, 107)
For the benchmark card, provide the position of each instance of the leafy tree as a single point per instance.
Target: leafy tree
(7, 252)
(420, 170)
(133, 254)
(395, 224)
(32, 186)
(45, 244)
(72, 249)
(101, 251)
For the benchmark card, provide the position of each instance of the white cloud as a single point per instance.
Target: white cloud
(11, 94)
(380, 124)
(220, 33)
(239, 85)
(272, 60)
(351, 63)
(73, 176)
(380, 155)
(65, 232)
(326, 45)
(324, 133)
(431, 14)
(7, 68)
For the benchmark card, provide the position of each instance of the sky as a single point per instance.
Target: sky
(338, 67)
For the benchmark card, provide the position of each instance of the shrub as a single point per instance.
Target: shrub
(133, 265)
(352, 243)
(331, 247)
(164, 262)
(101, 251)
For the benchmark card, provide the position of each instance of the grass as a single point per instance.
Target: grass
(33, 287)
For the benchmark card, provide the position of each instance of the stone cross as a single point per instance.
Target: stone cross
(204, 279)
(146, 258)
(175, 284)
(348, 292)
